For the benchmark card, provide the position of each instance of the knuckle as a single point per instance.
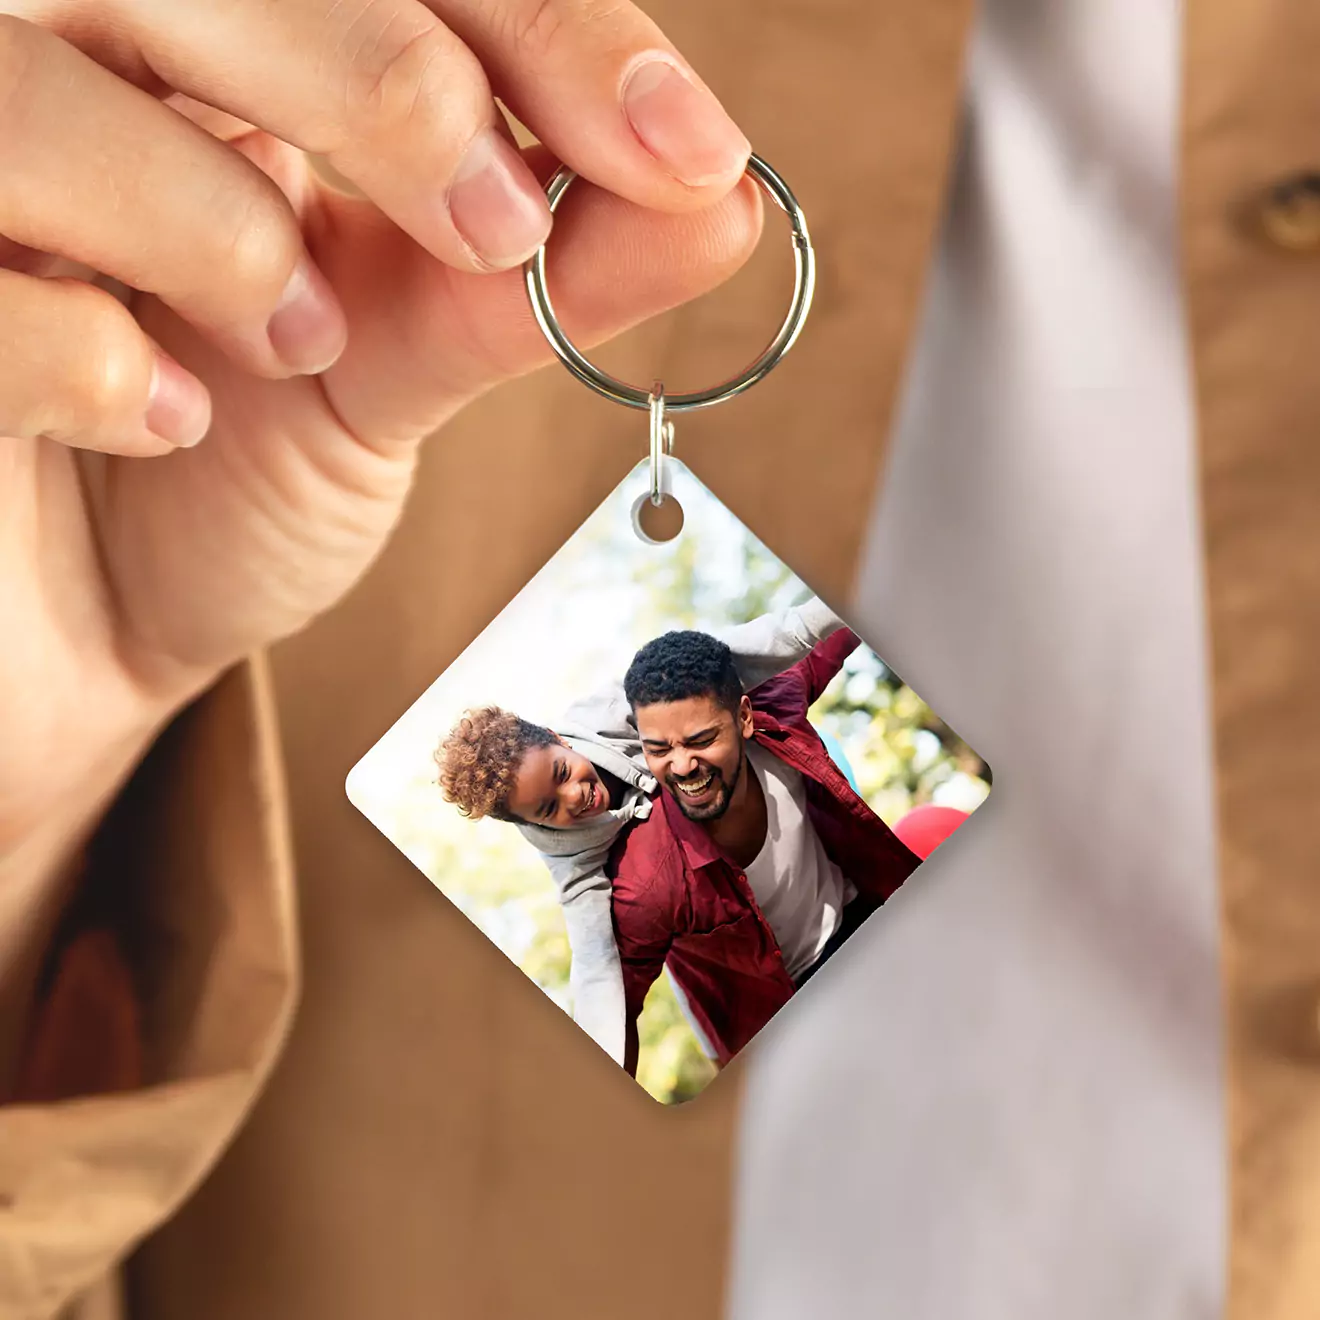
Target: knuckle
(405, 77)
(108, 378)
(257, 250)
(534, 27)
(537, 29)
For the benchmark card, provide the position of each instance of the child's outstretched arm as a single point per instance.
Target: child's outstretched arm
(596, 977)
(768, 645)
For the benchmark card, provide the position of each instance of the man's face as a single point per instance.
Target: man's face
(695, 749)
(557, 787)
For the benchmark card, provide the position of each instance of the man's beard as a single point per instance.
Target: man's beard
(719, 804)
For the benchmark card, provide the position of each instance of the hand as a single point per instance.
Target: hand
(308, 339)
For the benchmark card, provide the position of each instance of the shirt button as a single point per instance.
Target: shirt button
(1289, 213)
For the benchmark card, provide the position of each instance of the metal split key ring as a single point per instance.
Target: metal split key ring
(655, 400)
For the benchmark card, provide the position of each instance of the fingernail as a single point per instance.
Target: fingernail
(178, 407)
(682, 125)
(496, 203)
(308, 331)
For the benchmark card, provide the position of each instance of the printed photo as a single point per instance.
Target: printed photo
(669, 782)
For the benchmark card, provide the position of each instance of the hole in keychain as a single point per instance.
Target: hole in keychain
(656, 524)
(657, 516)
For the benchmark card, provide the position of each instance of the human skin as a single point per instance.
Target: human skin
(557, 787)
(697, 749)
(196, 468)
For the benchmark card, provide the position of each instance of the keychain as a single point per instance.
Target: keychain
(668, 781)
(662, 429)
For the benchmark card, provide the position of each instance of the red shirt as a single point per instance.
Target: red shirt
(679, 900)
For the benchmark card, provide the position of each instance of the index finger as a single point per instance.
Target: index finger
(381, 88)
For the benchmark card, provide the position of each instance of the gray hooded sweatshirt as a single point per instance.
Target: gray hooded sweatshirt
(602, 729)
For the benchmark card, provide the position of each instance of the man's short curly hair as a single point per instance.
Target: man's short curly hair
(480, 756)
(681, 665)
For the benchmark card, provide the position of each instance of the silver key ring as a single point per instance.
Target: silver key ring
(804, 285)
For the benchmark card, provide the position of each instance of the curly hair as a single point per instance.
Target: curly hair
(682, 665)
(480, 756)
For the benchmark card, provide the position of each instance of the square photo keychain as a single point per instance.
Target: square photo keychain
(668, 781)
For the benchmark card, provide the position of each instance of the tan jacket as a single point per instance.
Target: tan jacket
(399, 1138)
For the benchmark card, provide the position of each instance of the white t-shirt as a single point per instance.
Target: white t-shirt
(1005, 1097)
(800, 891)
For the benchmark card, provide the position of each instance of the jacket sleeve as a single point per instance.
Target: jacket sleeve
(606, 715)
(825, 661)
(199, 960)
(789, 695)
(772, 643)
(596, 975)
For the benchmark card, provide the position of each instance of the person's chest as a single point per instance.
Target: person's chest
(742, 837)
(715, 897)
(725, 927)
(783, 859)
(758, 864)
(671, 873)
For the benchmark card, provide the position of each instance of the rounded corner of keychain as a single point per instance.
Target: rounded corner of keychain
(669, 783)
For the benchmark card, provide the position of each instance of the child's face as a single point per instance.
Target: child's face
(558, 788)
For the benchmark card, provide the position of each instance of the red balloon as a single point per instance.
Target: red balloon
(923, 829)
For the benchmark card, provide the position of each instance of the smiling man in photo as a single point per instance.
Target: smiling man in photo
(763, 860)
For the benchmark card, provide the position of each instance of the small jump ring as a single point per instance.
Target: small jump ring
(804, 283)
(662, 444)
